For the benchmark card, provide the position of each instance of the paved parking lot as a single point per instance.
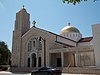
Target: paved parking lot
(9, 73)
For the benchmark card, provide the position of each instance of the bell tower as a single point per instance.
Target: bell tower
(22, 25)
(22, 22)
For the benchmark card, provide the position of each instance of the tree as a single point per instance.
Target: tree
(74, 1)
(5, 53)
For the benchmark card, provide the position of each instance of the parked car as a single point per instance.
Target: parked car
(47, 71)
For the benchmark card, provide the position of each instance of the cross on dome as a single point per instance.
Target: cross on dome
(69, 24)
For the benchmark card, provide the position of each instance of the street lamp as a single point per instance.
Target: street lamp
(44, 49)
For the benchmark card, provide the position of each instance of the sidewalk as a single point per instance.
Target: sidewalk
(9, 73)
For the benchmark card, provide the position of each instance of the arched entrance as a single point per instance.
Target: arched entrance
(33, 56)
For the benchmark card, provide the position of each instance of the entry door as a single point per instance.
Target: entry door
(33, 60)
(58, 62)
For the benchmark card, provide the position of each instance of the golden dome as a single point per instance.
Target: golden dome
(69, 28)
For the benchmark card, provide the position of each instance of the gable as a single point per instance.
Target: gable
(52, 37)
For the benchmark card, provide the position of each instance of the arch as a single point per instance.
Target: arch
(33, 56)
(31, 43)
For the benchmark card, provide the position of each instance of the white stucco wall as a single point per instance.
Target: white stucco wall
(84, 44)
(66, 41)
(96, 42)
(73, 36)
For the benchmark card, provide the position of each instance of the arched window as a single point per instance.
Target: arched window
(40, 45)
(34, 43)
(30, 46)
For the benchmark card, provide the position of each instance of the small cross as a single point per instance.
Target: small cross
(34, 22)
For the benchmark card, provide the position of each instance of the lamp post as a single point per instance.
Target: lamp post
(0, 58)
(44, 49)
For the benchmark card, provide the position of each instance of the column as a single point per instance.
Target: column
(62, 59)
(42, 55)
(49, 60)
(37, 62)
(77, 58)
(30, 61)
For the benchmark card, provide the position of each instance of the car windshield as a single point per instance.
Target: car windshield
(46, 68)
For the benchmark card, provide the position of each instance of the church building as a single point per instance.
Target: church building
(36, 47)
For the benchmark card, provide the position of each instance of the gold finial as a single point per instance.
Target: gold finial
(69, 24)
(34, 22)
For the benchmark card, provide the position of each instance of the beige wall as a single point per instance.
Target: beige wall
(96, 42)
(87, 59)
(53, 59)
(69, 59)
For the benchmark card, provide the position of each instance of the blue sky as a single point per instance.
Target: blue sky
(51, 15)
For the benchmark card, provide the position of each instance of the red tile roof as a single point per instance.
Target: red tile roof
(87, 39)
